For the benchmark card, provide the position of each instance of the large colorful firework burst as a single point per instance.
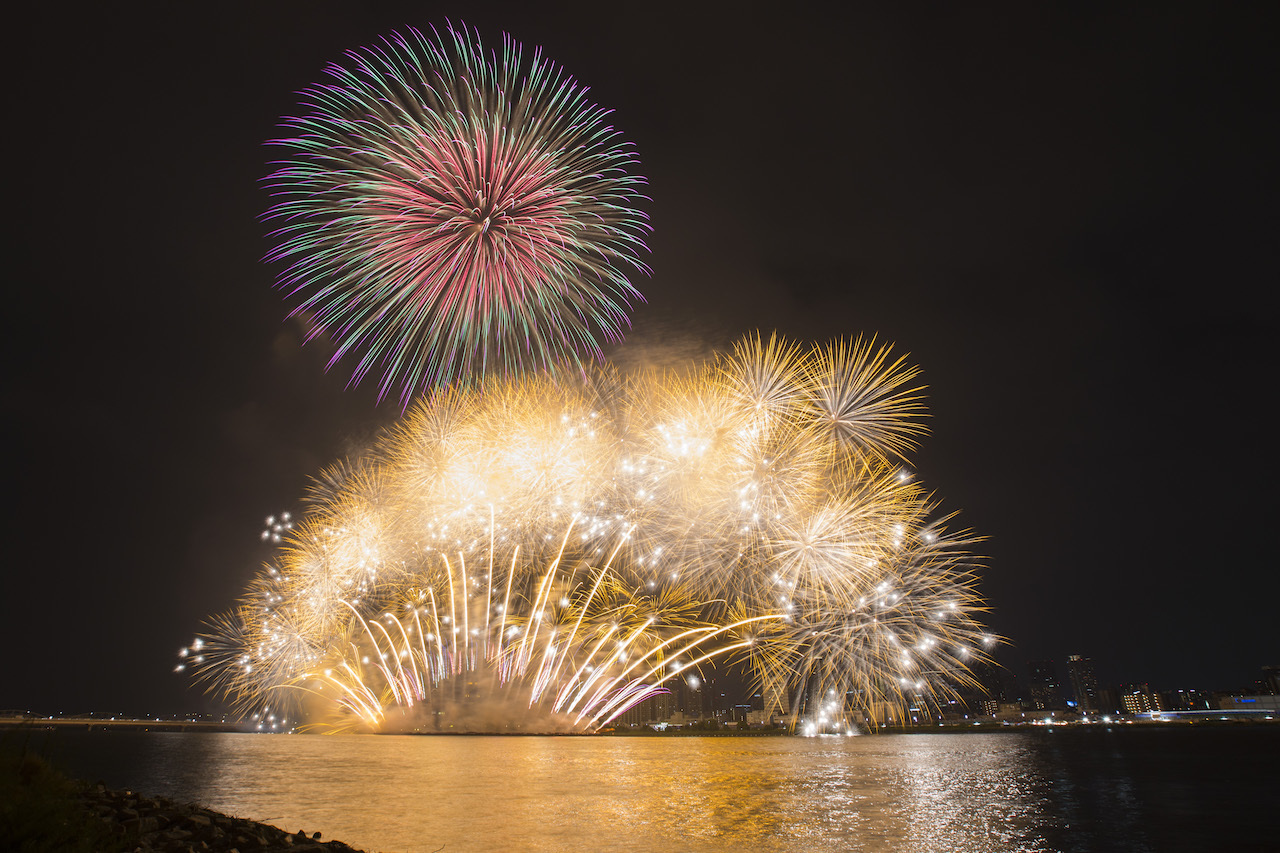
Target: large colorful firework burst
(447, 211)
(560, 551)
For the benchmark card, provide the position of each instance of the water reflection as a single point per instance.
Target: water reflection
(996, 792)
(695, 794)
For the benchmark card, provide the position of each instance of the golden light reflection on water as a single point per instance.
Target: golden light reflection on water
(1079, 791)
(973, 793)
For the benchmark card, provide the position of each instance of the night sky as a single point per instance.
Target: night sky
(1068, 219)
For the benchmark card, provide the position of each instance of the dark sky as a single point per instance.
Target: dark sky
(1068, 219)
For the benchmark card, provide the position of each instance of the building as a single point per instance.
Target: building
(655, 709)
(1109, 700)
(1188, 700)
(985, 688)
(1045, 686)
(1138, 699)
(1084, 684)
(686, 701)
(1262, 703)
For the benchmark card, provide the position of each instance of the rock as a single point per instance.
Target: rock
(156, 825)
(140, 825)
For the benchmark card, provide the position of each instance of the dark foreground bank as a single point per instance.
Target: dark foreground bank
(42, 810)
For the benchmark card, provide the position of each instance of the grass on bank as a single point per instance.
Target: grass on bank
(40, 810)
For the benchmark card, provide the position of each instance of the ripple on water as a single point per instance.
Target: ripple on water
(1031, 791)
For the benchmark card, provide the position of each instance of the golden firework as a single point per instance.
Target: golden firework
(547, 548)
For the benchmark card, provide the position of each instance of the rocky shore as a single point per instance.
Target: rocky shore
(157, 825)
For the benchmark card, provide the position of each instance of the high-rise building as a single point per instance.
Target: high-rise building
(655, 709)
(685, 702)
(1138, 699)
(988, 684)
(1084, 683)
(1045, 686)
(1187, 700)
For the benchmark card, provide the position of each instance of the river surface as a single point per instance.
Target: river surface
(1045, 790)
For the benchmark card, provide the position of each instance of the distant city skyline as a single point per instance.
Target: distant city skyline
(1040, 680)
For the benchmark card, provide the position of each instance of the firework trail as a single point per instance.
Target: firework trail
(564, 549)
(446, 211)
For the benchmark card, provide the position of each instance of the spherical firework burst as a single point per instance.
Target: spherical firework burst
(553, 553)
(447, 211)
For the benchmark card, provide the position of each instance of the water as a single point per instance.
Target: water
(1060, 790)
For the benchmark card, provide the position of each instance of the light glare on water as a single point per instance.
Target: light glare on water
(947, 792)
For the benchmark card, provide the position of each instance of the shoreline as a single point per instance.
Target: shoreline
(41, 808)
(42, 724)
(160, 825)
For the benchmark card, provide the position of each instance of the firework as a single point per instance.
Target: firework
(560, 551)
(447, 211)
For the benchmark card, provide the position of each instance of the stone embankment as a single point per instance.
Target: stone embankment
(157, 825)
